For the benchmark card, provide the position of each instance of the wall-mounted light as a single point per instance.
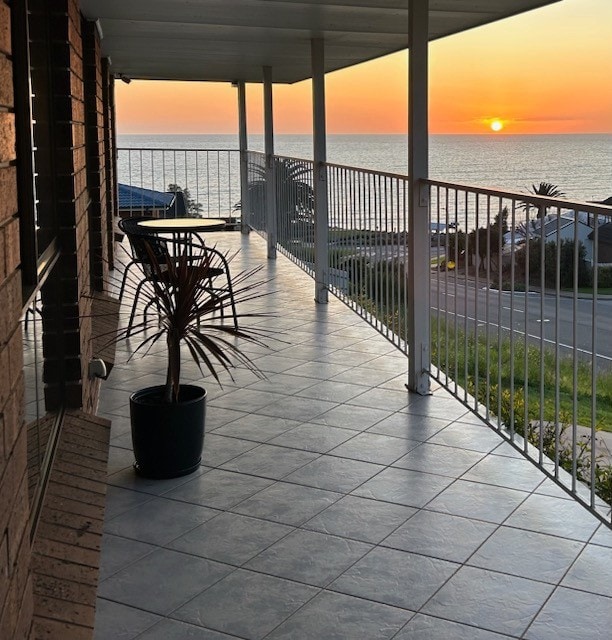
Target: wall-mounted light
(123, 78)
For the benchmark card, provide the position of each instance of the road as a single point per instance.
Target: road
(530, 313)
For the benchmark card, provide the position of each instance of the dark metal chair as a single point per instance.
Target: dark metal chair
(129, 226)
(147, 246)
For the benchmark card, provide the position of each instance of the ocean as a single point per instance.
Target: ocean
(580, 165)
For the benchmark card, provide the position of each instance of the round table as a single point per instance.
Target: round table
(182, 225)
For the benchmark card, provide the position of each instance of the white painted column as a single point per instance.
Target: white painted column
(418, 236)
(245, 226)
(321, 264)
(270, 173)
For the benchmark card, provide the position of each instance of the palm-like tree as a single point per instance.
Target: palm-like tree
(545, 189)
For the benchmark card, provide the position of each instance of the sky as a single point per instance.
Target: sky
(546, 71)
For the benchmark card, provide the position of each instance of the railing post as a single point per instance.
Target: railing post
(270, 173)
(418, 201)
(245, 207)
(321, 223)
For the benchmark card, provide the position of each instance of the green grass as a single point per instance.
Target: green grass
(527, 377)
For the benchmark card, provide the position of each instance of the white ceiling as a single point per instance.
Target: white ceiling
(226, 40)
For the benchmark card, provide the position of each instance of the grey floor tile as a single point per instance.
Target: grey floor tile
(603, 536)
(246, 400)
(395, 578)
(592, 571)
(159, 520)
(467, 436)
(119, 500)
(478, 501)
(284, 383)
(402, 486)
(219, 449)
(333, 391)
(556, 516)
(489, 600)
(374, 447)
(118, 459)
(246, 604)
(514, 473)
(287, 503)
(440, 459)
(218, 416)
(295, 408)
(447, 409)
(440, 535)
(231, 538)
(573, 615)
(219, 489)
(379, 398)
(335, 616)
(117, 553)
(176, 630)
(350, 417)
(314, 437)
(257, 427)
(360, 519)
(119, 622)
(364, 376)
(412, 427)
(527, 554)
(270, 461)
(162, 581)
(309, 557)
(318, 370)
(334, 474)
(423, 627)
(129, 479)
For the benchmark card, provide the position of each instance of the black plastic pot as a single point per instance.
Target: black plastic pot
(167, 437)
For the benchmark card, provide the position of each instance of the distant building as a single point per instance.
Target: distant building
(136, 201)
(604, 243)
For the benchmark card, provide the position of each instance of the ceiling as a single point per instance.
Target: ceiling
(227, 40)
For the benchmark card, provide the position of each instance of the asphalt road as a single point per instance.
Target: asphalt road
(533, 314)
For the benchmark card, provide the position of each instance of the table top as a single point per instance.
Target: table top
(178, 225)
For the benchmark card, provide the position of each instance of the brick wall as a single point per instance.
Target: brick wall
(15, 580)
(60, 134)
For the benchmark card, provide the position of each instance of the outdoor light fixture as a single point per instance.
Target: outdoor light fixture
(123, 78)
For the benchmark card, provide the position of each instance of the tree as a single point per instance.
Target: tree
(193, 208)
(545, 189)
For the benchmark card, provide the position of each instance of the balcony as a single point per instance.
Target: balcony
(332, 502)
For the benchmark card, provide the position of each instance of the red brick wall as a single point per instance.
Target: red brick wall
(15, 580)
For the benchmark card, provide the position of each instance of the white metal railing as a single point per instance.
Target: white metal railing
(519, 327)
(522, 336)
(209, 178)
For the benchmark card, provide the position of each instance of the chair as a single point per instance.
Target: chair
(129, 226)
(147, 246)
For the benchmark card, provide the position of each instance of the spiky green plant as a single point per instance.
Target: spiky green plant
(191, 312)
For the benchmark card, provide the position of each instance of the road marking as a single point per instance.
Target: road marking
(545, 320)
(515, 310)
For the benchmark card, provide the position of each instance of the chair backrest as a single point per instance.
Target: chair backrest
(144, 242)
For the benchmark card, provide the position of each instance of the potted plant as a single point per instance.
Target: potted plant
(167, 421)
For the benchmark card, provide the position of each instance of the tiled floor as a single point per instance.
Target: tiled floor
(334, 505)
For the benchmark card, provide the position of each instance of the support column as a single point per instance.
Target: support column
(270, 173)
(245, 227)
(418, 201)
(321, 261)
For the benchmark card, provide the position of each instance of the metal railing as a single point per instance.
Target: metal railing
(518, 326)
(209, 179)
(520, 323)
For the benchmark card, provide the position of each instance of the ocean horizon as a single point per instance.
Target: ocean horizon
(579, 164)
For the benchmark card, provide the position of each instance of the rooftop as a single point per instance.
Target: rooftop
(333, 503)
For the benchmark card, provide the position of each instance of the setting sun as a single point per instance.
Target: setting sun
(497, 125)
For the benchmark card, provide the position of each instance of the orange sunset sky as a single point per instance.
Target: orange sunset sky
(546, 71)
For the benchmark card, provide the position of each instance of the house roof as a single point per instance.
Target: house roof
(138, 198)
(604, 234)
(228, 40)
